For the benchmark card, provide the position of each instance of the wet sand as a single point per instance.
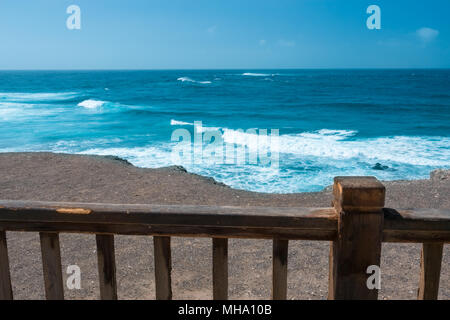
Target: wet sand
(61, 177)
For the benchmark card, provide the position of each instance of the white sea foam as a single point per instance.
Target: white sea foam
(10, 113)
(337, 145)
(187, 79)
(309, 160)
(148, 156)
(248, 138)
(180, 123)
(19, 111)
(199, 129)
(251, 74)
(330, 146)
(426, 151)
(160, 156)
(91, 104)
(40, 96)
(203, 129)
(337, 133)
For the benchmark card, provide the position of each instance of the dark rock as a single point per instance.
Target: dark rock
(213, 181)
(379, 166)
(176, 168)
(116, 158)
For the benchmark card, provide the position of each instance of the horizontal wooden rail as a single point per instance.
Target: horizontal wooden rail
(356, 225)
(416, 225)
(159, 220)
(294, 223)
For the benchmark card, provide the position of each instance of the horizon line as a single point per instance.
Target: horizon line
(245, 69)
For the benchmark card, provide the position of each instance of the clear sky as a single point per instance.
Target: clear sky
(221, 34)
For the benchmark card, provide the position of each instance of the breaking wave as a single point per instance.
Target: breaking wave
(180, 123)
(251, 74)
(91, 104)
(187, 79)
(39, 96)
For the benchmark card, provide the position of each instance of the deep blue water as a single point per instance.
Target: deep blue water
(330, 122)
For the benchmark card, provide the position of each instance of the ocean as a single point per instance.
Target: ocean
(392, 124)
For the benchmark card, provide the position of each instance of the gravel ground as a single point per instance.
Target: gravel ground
(61, 177)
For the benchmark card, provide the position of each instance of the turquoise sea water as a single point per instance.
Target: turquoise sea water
(394, 124)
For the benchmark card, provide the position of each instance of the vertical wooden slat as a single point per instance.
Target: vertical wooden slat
(358, 202)
(220, 269)
(163, 268)
(279, 269)
(430, 271)
(51, 261)
(106, 267)
(5, 277)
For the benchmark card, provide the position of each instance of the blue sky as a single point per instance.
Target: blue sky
(219, 34)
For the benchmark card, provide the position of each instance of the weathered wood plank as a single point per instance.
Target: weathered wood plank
(257, 217)
(413, 236)
(5, 276)
(416, 236)
(416, 225)
(174, 230)
(403, 225)
(106, 267)
(417, 219)
(430, 265)
(359, 201)
(279, 269)
(163, 268)
(51, 261)
(220, 269)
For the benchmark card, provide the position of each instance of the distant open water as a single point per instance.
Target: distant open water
(394, 124)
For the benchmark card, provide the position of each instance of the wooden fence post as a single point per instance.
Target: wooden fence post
(163, 267)
(106, 262)
(220, 269)
(5, 276)
(279, 269)
(430, 271)
(51, 262)
(358, 202)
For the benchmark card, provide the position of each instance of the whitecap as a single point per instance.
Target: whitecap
(202, 129)
(91, 104)
(18, 111)
(183, 79)
(179, 123)
(187, 79)
(39, 96)
(251, 74)
(198, 128)
(309, 160)
(340, 145)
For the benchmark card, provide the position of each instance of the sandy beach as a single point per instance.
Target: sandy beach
(63, 177)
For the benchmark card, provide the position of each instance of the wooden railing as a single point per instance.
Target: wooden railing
(356, 225)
